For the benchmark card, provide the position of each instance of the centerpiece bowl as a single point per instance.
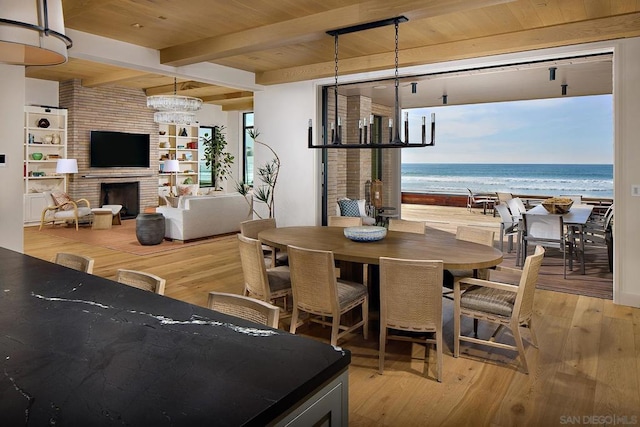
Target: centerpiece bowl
(367, 233)
(557, 205)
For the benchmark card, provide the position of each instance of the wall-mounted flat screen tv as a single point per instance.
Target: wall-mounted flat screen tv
(119, 149)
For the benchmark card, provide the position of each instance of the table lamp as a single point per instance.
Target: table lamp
(172, 166)
(65, 166)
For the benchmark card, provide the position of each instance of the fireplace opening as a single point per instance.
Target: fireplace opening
(126, 194)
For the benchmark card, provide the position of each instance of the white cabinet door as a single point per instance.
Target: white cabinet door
(34, 204)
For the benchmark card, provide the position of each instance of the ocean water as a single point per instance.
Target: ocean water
(534, 179)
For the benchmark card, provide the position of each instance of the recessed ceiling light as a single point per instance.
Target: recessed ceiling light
(136, 25)
(162, 17)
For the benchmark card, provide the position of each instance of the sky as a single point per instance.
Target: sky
(559, 130)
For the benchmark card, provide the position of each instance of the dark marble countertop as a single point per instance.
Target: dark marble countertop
(78, 349)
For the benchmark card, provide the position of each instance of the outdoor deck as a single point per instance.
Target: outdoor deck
(597, 282)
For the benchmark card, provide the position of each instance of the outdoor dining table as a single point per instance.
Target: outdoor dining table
(433, 245)
(577, 217)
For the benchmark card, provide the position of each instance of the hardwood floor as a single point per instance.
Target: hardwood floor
(587, 363)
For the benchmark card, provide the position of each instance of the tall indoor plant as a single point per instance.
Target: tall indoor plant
(268, 174)
(216, 157)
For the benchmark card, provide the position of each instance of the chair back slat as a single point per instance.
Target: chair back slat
(523, 307)
(313, 280)
(505, 216)
(417, 227)
(475, 235)
(548, 227)
(77, 262)
(254, 269)
(344, 221)
(411, 294)
(141, 280)
(245, 308)
(252, 227)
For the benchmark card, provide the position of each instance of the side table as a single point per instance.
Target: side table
(115, 209)
(102, 218)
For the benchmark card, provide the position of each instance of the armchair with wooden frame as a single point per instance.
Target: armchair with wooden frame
(63, 209)
(504, 304)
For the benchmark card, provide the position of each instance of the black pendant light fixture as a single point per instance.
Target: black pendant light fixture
(365, 129)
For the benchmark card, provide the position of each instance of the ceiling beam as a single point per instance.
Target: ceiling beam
(180, 87)
(246, 105)
(233, 96)
(113, 77)
(312, 27)
(608, 28)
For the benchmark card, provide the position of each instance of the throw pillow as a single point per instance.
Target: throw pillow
(349, 207)
(60, 197)
(187, 190)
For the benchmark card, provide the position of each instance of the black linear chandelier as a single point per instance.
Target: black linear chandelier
(365, 129)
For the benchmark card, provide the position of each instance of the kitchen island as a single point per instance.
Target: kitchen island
(83, 350)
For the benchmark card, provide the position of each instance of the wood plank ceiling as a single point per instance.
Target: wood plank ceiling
(285, 40)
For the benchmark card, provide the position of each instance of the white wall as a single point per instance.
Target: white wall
(626, 95)
(12, 88)
(42, 92)
(282, 113)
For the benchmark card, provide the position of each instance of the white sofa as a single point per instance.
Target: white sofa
(204, 216)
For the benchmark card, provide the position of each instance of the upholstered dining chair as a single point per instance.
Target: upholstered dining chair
(61, 208)
(75, 261)
(252, 227)
(344, 221)
(141, 280)
(318, 292)
(260, 282)
(245, 307)
(500, 303)
(417, 227)
(410, 292)
(548, 231)
(481, 236)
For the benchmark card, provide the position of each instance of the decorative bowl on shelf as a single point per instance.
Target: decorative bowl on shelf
(557, 205)
(36, 156)
(366, 233)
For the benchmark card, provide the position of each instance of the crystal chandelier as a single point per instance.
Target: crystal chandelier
(175, 109)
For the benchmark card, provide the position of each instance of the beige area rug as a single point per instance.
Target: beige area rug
(122, 238)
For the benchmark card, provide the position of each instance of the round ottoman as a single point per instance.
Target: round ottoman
(150, 228)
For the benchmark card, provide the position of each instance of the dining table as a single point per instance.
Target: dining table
(575, 220)
(434, 244)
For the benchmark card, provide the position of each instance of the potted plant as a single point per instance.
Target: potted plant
(268, 174)
(216, 157)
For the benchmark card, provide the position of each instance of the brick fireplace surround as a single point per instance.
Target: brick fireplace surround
(110, 108)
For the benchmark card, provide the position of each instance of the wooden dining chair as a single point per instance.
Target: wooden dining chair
(506, 305)
(270, 285)
(344, 221)
(318, 292)
(141, 280)
(75, 261)
(252, 227)
(417, 227)
(410, 301)
(245, 308)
